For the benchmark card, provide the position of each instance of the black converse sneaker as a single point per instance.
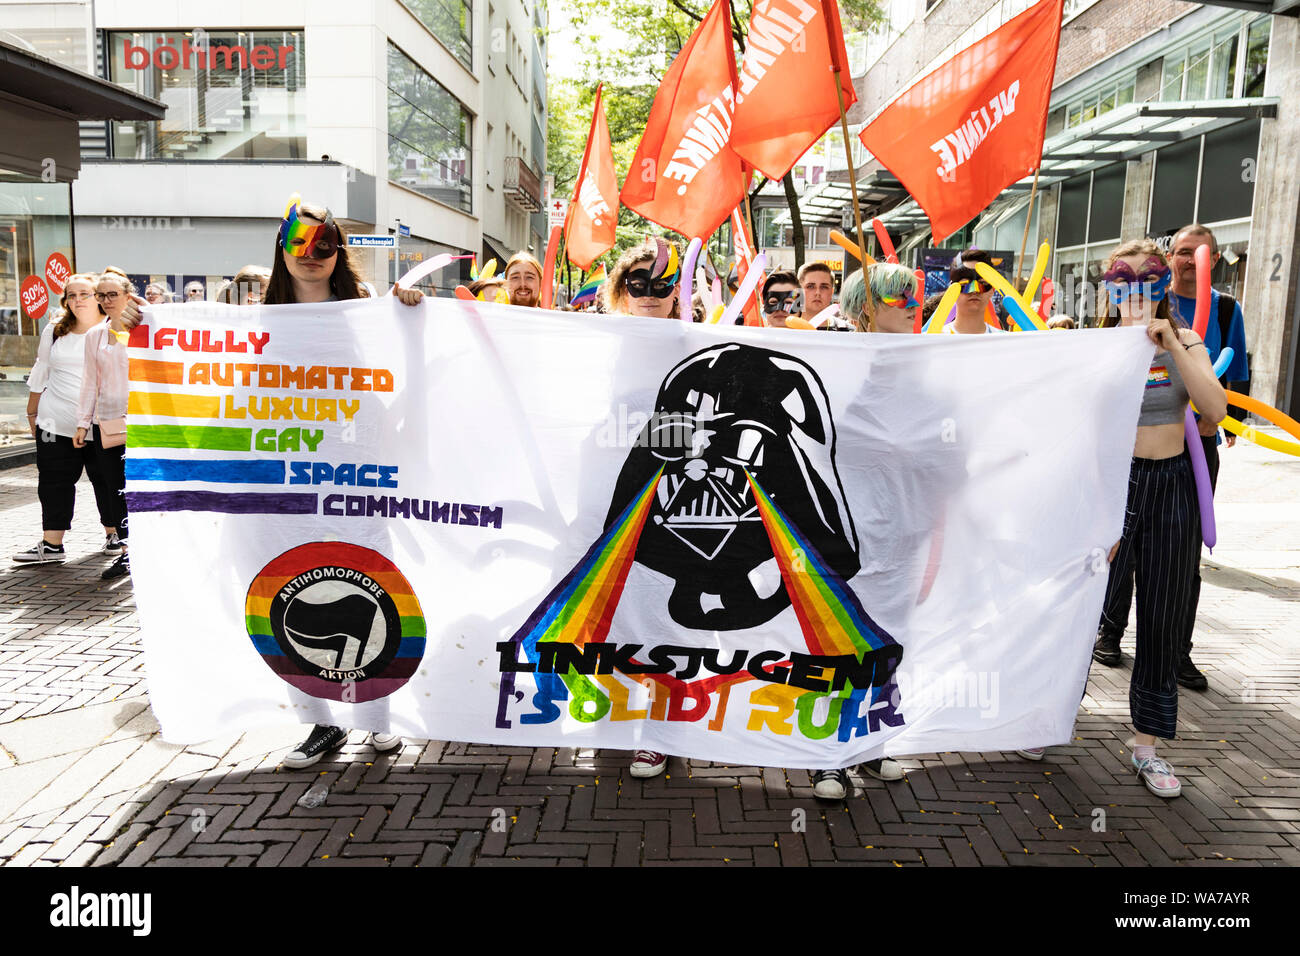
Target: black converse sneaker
(112, 543)
(830, 784)
(323, 739)
(43, 553)
(119, 568)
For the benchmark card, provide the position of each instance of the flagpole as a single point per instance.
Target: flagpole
(1029, 215)
(836, 69)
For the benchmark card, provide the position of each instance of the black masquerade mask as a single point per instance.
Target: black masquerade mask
(787, 302)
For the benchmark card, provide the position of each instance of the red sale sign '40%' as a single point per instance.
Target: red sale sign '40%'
(57, 272)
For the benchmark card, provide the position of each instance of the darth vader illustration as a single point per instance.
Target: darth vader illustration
(722, 412)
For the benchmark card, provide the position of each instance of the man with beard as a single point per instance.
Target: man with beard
(524, 280)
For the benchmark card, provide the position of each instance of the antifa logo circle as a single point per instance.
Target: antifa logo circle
(337, 621)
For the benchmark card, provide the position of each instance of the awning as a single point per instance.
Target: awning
(1124, 133)
(1129, 131)
(825, 203)
(79, 95)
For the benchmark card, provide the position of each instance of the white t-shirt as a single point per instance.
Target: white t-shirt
(57, 376)
(950, 329)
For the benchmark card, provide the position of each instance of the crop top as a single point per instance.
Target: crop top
(1165, 400)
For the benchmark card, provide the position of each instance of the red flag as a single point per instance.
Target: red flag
(974, 126)
(590, 228)
(684, 175)
(786, 98)
(744, 260)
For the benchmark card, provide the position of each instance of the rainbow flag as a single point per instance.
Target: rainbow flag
(589, 288)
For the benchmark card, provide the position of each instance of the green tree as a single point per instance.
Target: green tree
(632, 74)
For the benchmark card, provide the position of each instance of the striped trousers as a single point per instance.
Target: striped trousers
(1120, 599)
(1161, 549)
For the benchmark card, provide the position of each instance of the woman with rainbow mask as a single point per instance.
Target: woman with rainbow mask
(311, 264)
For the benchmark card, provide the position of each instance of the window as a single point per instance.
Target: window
(1256, 58)
(1101, 102)
(426, 123)
(1197, 72)
(1214, 68)
(450, 22)
(231, 94)
(1227, 180)
(1072, 213)
(1223, 66)
(1173, 194)
(1171, 84)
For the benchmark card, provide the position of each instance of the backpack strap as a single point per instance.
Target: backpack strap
(1227, 306)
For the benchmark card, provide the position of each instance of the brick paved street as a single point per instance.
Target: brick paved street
(85, 780)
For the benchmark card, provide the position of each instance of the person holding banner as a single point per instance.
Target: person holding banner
(311, 264)
(1229, 330)
(884, 302)
(1162, 527)
(645, 281)
(54, 388)
(781, 299)
(523, 277)
(976, 294)
(818, 285)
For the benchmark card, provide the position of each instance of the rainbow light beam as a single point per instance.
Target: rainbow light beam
(581, 607)
(832, 618)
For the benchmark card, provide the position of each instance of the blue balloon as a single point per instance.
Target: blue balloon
(1224, 360)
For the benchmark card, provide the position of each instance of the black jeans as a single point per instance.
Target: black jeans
(112, 465)
(59, 466)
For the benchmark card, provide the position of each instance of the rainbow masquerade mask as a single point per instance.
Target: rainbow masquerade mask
(905, 300)
(974, 286)
(1149, 282)
(307, 241)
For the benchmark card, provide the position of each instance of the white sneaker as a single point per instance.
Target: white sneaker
(1032, 753)
(830, 784)
(385, 742)
(884, 769)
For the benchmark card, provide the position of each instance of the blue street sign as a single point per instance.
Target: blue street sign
(403, 230)
(372, 241)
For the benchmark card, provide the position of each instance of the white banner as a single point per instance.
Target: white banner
(473, 522)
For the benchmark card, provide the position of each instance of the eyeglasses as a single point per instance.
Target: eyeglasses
(904, 301)
(641, 286)
(976, 286)
(106, 296)
(80, 296)
(787, 302)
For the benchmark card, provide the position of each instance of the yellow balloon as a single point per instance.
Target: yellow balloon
(943, 308)
(716, 314)
(1264, 441)
(999, 282)
(1269, 414)
(1035, 277)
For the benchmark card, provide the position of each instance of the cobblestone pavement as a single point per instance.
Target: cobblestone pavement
(86, 780)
